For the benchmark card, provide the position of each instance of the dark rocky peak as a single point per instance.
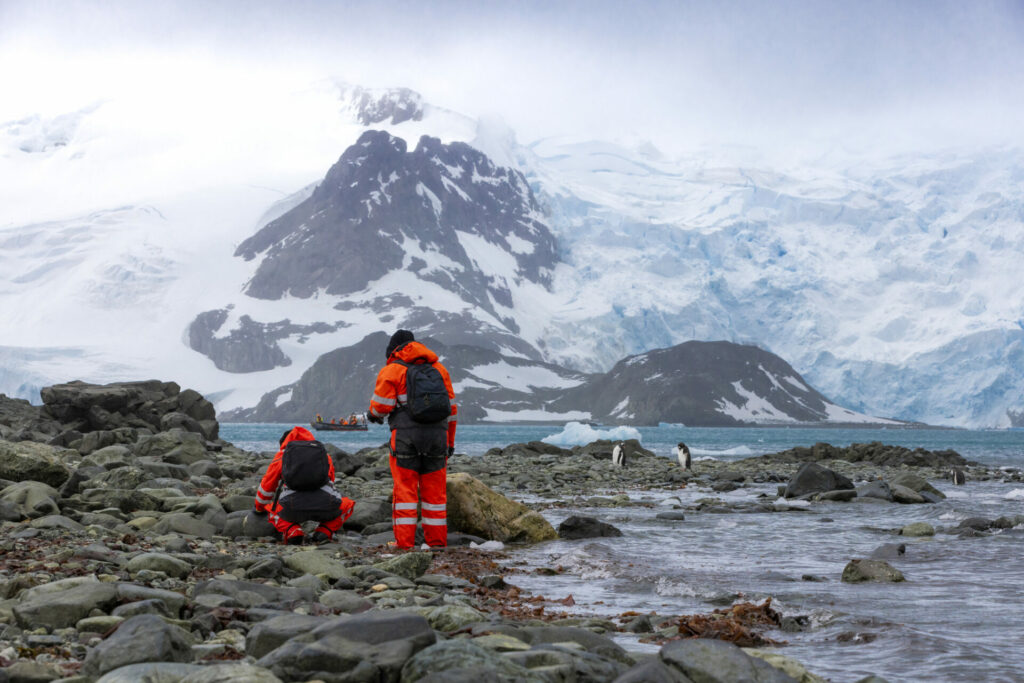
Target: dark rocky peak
(443, 211)
(382, 105)
(702, 383)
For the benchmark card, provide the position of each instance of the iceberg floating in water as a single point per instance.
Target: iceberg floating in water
(579, 434)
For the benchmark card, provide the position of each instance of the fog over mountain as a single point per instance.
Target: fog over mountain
(849, 199)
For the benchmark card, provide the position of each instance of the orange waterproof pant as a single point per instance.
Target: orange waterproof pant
(427, 492)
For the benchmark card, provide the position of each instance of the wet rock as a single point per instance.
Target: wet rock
(270, 634)
(407, 565)
(231, 673)
(875, 489)
(813, 478)
(918, 529)
(130, 592)
(976, 523)
(652, 671)
(27, 671)
(31, 499)
(792, 668)
(318, 563)
(247, 524)
(458, 659)
(717, 661)
(859, 571)
(588, 640)
(60, 604)
(585, 527)
(346, 601)
(916, 483)
(183, 523)
(839, 496)
(134, 609)
(30, 461)
(674, 515)
(370, 511)
(453, 617)
(252, 594)
(370, 646)
(145, 638)
(901, 494)
(266, 568)
(154, 672)
(474, 508)
(159, 562)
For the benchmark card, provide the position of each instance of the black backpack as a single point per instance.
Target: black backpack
(305, 465)
(427, 396)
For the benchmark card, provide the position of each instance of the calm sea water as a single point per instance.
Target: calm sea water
(956, 618)
(994, 447)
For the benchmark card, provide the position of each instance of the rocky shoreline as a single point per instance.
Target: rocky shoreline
(129, 553)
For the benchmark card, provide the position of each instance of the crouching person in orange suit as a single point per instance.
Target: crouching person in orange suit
(298, 487)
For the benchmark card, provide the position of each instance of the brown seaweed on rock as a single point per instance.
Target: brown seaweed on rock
(734, 624)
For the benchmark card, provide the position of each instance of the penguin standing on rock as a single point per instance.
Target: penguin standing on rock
(619, 455)
(683, 455)
(958, 476)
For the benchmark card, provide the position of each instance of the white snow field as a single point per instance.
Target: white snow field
(893, 286)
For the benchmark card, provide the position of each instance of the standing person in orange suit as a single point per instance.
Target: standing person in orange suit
(298, 487)
(415, 392)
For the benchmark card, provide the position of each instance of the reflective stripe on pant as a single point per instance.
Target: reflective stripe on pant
(410, 487)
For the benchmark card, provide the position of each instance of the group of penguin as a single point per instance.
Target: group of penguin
(681, 451)
(683, 455)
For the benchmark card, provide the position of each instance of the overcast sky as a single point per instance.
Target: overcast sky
(682, 74)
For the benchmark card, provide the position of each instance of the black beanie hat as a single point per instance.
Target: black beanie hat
(397, 339)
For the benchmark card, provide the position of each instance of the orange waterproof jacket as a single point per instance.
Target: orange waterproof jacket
(272, 477)
(390, 391)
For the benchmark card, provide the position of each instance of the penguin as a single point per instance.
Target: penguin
(683, 454)
(958, 476)
(619, 455)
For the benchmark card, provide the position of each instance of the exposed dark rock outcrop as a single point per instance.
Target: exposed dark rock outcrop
(699, 383)
(874, 452)
(446, 201)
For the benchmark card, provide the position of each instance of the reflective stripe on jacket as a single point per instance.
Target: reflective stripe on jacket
(389, 392)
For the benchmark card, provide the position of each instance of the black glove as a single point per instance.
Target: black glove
(376, 419)
(258, 511)
(451, 452)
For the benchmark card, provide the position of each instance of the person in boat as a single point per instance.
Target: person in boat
(318, 418)
(298, 487)
(332, 421)
(415, 392)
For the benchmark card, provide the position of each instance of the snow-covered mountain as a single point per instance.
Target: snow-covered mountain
(891, 286)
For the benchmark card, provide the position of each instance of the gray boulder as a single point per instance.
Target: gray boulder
(159, 562)
(901, 494)
(145, 638)
(813, 478)
(369, 511)
(704, 660)
(248, 524)
(183, 523)
(875, 489)
(652, 671)
(585, 527)
(880, 571)
(154, 672)
(63, 603)
(407, 565)
(30, 499)
(916, 483)
(252, 594)
(231, 673)
(373, 646)
(454, 656)
(30, 461)
(130, 592)
(270, 634)
(348, 602)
